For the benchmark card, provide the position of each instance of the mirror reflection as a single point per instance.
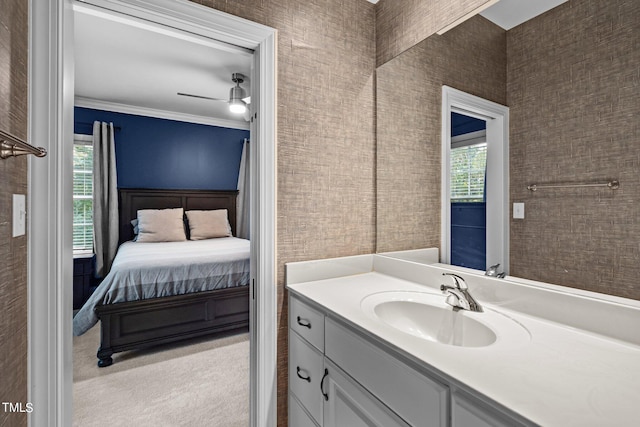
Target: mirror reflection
(467, 191)
(570, 79)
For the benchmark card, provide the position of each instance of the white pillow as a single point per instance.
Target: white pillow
(161, 225)
(208, 224)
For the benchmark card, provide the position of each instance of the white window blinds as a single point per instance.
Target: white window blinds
(468, 166)
(82, 194)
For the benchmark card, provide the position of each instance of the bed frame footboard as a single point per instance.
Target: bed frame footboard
(146, 323)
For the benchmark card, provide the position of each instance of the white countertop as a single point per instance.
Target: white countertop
(561, 376)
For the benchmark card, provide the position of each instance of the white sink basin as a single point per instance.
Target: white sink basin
(427, 316)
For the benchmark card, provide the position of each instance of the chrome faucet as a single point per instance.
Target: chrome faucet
(458, 296)
(493, 272)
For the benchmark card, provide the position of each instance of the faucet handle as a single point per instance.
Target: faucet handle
(458, 281)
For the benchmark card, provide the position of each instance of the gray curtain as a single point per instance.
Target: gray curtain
(243, 193)
(105, 197)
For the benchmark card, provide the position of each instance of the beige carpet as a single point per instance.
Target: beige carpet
(202, 383)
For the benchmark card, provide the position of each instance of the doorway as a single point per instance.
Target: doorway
(465, 225)
(468, 191)
(50, 259)
(129, 72)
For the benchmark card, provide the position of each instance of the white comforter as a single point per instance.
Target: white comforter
(151, 270)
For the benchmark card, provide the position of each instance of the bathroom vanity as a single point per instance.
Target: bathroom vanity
(372, 342)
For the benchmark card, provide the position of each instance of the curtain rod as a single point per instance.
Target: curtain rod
(12, 146)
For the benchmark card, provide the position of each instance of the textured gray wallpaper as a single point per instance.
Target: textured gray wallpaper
(571, 78)
(574, 92)
(471, 58)
(401, 24)
(13, 174)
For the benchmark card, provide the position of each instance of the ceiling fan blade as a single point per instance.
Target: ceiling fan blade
(202, 97)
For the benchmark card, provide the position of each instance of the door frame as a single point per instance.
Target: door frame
(51, 98)
(497, 177)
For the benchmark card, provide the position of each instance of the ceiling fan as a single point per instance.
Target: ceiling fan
(238, 100)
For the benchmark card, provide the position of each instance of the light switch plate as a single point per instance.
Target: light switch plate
(518, 210)
(19, 214)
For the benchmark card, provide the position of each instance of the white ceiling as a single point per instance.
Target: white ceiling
(511, 13)
(128, 65)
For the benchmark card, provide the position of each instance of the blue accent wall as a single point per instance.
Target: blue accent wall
(160, 153)
(469, 235)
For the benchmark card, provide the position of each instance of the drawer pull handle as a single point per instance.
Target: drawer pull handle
(326, 396)
(307, 378)
(304, 322)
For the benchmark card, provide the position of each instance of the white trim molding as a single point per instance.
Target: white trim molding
(51, 102)
(50, 228)
(160, 114)
(497, 178)
(263, 372)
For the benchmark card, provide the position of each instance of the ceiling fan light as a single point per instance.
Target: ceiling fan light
(237, 106)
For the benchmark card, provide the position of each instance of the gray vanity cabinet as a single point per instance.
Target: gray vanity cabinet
(338, 379)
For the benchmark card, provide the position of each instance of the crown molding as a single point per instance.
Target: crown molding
(96, 104)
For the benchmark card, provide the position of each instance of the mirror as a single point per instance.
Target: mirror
(570, 80)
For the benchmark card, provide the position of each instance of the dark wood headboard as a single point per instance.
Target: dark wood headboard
(133, 199)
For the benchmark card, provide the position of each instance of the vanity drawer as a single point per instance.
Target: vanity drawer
(417, 399)
(307, 322)
(305, 375)
(298, 417)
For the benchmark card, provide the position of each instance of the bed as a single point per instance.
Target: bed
(192, 288)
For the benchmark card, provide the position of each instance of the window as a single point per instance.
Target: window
(468, 166)
(82, 194)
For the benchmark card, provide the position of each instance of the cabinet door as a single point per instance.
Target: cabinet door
(418, 399)
(348, 404)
